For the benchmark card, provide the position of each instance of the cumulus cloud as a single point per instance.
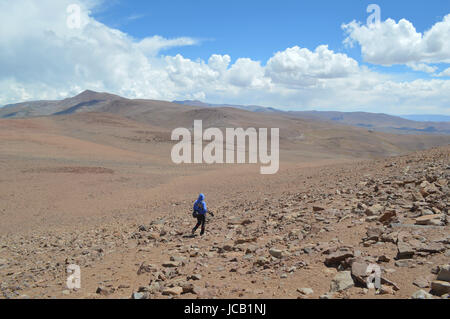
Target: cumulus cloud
(303, 67)
(388, 42)
(42, 58)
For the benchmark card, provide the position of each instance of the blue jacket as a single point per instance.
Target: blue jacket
(200, 205)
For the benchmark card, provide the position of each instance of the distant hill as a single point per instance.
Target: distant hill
(376, 122)
(418, 124)
(155, 112)
(252, 108)
(90, 115)
(427, 117)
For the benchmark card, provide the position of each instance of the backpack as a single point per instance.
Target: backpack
(195, 214)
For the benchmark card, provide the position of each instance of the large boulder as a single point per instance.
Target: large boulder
(338, 257)
(342, 281)
(444, 273)
(440, 288)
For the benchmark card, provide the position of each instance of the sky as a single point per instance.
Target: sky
(296, 55)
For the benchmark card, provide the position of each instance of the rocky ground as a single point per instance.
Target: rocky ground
(313, 243)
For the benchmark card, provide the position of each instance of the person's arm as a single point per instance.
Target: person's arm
(206, 210)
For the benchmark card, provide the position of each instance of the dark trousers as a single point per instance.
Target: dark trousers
(201, 219)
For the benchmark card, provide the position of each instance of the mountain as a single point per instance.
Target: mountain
(85, 101)
(252, 108)
(107, 118)
(429, 124)
(427, 117)
(376, 122)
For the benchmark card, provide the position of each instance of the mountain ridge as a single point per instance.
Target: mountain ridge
(92, 101)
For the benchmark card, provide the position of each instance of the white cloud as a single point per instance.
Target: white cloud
(422, 67)
(446, 72)
(388, 42)
(301, 66)
(154, 45)
(41, 58)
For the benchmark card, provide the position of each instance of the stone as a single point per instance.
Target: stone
(431, 248)
(405, 263)
(440, 288)
(187, 288)
(338, 257)
(421, 294)
(359, 272)
(172, 264)
(104, 291)
(328, 295)
(276, 253)
(305, 291)
(383, 259)
(138, 295)
(386, 290)
(195, 277)
(342, 281)
(390, 283)
(374, 210)
(421, 283)
(154, 287)
(244, 240)
(146, 268)
(444, 273)
(143, 228)
(434, 220)
(174, 291)
(318, 208)
(199, 291)
(405, 251)
(388, 217)
(261, 261)
(374, 233)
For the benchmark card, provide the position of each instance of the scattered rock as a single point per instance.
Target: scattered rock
(421, 294)
(440, 288)
(434, 220)
(444, 273)
(338, 257)
(174, 291)
(305, 291)
(277, 253)
(342, 281)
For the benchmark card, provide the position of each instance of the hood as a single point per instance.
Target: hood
(201, 197)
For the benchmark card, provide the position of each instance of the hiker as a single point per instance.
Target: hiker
(200, 211)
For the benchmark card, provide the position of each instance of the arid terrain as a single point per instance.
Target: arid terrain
(90, 182)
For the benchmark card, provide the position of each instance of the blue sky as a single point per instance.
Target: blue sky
(297, 55)
(258, 29)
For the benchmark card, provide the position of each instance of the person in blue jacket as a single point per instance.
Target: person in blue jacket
(200, 211)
